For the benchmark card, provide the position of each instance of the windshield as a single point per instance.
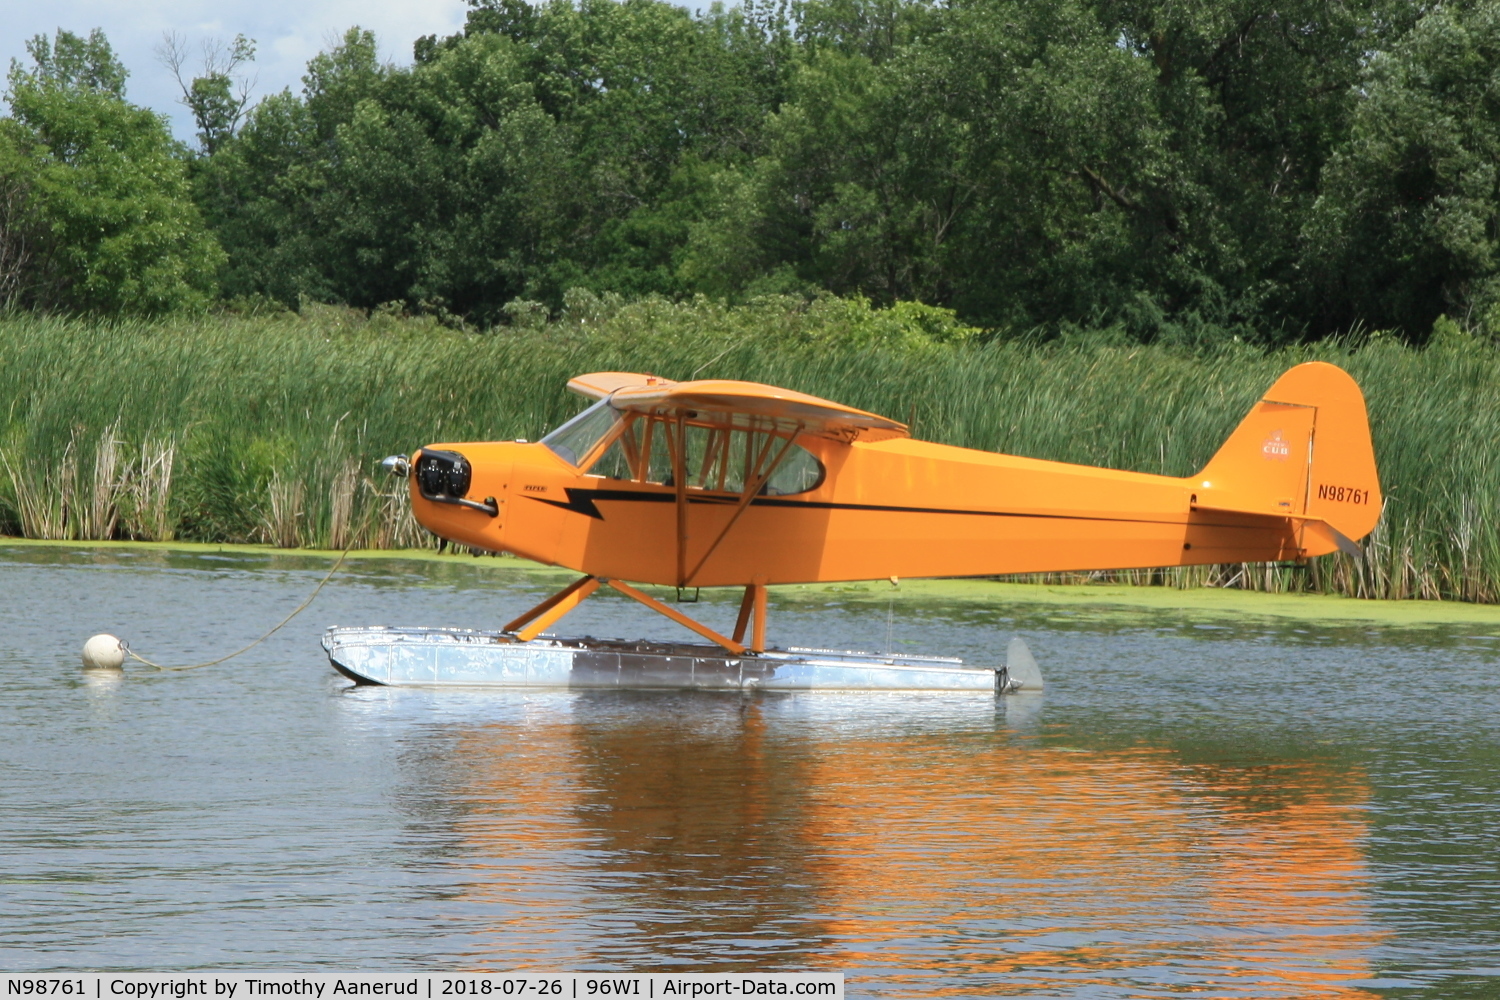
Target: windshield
(573, 441)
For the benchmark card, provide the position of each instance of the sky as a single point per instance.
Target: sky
(288, 33)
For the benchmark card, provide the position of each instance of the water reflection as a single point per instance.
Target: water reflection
(1263, 810)
(927, 849)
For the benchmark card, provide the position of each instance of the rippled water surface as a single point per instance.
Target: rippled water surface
(1254, 808)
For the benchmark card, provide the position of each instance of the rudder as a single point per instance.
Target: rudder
(1303, 452)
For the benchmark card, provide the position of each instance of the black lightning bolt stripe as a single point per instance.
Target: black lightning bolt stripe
(583, 501)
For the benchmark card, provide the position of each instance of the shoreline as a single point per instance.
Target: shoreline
(1200, 600)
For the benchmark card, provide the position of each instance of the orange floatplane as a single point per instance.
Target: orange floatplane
(719, 483)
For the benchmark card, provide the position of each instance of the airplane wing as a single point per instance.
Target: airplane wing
(818, 417)
(597, 385)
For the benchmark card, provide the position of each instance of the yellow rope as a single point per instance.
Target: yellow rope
(295, 612)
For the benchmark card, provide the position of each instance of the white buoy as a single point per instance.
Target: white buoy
(103, 652)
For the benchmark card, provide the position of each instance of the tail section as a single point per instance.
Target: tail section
(1304, 453)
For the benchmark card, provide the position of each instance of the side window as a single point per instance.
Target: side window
(798, 472)
(713, 461)
(640, 452)
(658, 449)
(719, 459)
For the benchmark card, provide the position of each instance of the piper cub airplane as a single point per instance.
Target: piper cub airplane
(720, 483)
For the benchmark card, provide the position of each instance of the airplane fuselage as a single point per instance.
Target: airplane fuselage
(894, 508)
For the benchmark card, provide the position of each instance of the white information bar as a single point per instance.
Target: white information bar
(421, 986)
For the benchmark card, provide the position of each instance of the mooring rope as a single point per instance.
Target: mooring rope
(277, 628)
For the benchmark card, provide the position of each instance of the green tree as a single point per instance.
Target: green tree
(73, 63)
(546, 148)
(1052, 163)
(24, 274)
(107, 191)
(1006, 161)
(266, 192)
(1265, 168)
(218, 98)
(1407, 226)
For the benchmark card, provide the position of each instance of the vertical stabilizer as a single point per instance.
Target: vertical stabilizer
(1302, 452)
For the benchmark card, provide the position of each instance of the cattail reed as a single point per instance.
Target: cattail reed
(271, 428)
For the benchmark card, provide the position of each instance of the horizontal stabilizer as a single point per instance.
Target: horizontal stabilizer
(1316, 525)
(1329, 533)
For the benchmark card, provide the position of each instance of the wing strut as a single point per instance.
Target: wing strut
(553, 608)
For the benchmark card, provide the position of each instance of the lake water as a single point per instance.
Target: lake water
(1225, 808)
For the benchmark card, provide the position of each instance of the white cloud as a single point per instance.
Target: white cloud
(288, 33)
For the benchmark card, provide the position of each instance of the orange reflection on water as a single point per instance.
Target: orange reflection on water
(667, 835)
(1294, 865)
(520, 793)
(988, 870)
(703, 835)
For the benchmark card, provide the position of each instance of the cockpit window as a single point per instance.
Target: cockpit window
(718, 455)
(799, 472)
(574, 440)
(721, 452)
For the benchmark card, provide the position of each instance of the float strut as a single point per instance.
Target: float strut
(559, 604)
(747, 605)
(753, 603)
(758, 637)
(732, 645)
(553, 608)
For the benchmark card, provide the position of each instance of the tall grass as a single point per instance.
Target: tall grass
(269, 429)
